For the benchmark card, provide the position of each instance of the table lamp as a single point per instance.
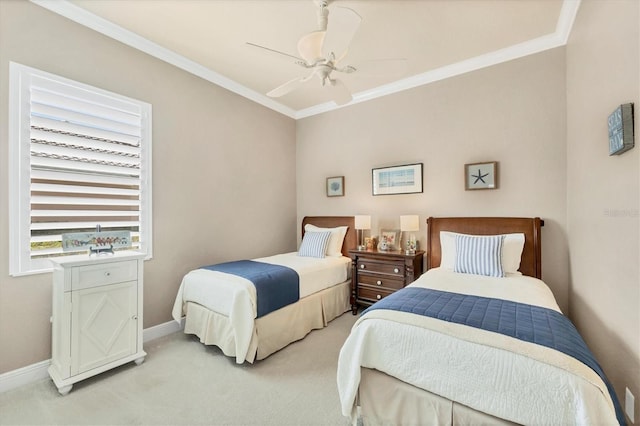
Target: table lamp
(410, 224)
(362, 223)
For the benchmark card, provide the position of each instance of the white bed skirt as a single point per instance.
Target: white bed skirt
(385, 400)
(274, 331)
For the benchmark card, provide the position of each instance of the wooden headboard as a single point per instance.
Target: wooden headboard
(531, 262)
(350, 239)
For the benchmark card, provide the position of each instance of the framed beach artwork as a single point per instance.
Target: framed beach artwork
(406, 179)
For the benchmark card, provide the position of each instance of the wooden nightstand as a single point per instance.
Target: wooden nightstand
(377, 274)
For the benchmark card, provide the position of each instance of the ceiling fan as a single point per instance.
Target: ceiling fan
(321, 51)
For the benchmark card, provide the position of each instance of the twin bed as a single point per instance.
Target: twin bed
(477, 339)
(221, 309)
(453, 347)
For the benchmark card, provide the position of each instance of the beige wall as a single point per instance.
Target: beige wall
(513, 113)
(546, 125)
(603, 71)
(222, 189)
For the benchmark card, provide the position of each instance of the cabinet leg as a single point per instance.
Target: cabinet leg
(354, 309)
(65, 389)
(139, 360)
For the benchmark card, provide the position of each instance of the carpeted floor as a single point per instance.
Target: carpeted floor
(183, 382)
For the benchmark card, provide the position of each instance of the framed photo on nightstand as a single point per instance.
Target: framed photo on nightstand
(389, 239)
(481, 175)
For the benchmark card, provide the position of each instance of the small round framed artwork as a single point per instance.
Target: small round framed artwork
(335, 186)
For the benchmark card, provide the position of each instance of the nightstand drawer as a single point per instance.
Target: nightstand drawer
(373, 294)
(381, 281)
(381, 267)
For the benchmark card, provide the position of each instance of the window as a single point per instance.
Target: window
(79, 157)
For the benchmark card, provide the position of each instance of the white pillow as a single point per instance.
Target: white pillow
(447, 250)
(511, 251)
(334, 248)
(314, 244)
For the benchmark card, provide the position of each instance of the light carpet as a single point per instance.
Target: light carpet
(183, 382)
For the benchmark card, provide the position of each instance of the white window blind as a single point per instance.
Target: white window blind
(81, 158)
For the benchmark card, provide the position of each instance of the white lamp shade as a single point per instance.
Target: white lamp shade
(362, 222)
(409, 223)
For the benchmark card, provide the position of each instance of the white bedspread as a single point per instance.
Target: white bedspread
(235, 297)
(499, 375)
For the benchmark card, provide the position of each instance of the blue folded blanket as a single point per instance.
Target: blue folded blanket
(529, 323)
(276, 286)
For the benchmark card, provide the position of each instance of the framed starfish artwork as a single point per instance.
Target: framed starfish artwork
(481, 175)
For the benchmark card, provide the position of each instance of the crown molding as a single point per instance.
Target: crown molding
(558, 38)
(103, 26)
(492, 58)
(566, 19)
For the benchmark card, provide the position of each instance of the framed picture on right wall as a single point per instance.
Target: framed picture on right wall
(481, 175)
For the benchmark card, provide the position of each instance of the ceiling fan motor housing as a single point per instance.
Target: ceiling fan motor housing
(323, 14)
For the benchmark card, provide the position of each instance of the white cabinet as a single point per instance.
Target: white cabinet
(97, 315)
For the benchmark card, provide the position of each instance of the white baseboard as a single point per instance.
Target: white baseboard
(22, 376)
(162, 330)
(38, 371)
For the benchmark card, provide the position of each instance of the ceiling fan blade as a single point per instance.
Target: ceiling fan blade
(285, 88)
(342, 26)
(395, 67)
(289, 86)
(268, 49)
(310, 46)
(339, 92)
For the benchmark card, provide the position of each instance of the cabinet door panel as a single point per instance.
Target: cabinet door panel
(104, 325)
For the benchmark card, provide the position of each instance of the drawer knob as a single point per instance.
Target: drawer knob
(396, 270)
(362, 266)
(135, 317)
(378, 297)
(379, 282)
(107, 274)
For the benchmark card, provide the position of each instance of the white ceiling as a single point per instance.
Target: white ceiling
(437, 39)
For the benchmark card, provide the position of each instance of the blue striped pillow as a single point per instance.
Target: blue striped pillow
(480, 255)
(314, 244)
